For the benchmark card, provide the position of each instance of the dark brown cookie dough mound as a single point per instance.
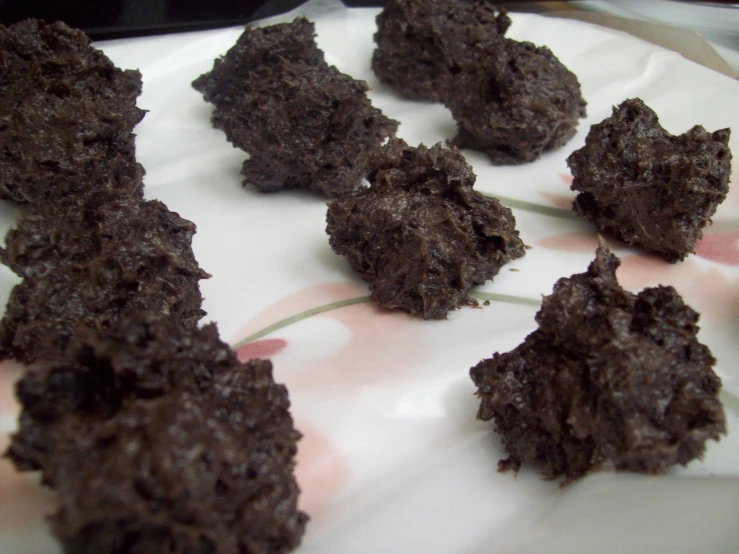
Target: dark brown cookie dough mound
(92, 267)
(646, 186)
(305, 124)
(58, 151)
(66, 116)
(58, 60)
(420, 43)
(515, 101)
(257, 52)
(181, 474)
(185, 449)
(421, 236)
(143, 357)
(315, 130)
(609, 381)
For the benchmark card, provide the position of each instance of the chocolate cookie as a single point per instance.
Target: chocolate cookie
(420, 43)
(304, 124)
(645, 186)
(315, 130)
(92, 267)
(258, 50)
(66, 116)
(420, 235)
(185, 449)
(515, 101)
(609, 381)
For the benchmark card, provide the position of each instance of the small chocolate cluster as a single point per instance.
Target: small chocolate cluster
(517, 100)
(420, 235)
(157, 438)
(646, 186)
(609, 381)
(511, 100)
(90, 268)
(421, 44)
(304, 123)
(66, 119)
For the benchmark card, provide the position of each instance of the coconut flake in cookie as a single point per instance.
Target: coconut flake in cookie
(646, 186)
(609, 381)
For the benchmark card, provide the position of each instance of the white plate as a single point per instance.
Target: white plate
(393, 460)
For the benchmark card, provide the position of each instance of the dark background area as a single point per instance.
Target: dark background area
(119, 18)
(103, 19)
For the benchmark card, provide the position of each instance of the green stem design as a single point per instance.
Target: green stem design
(535, 208)
(299, 317)
(720, 226)
(510, 299)
(281, 324)
(730, 400)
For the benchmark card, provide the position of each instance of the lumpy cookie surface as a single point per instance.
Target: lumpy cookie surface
(185, 449)
(315, 129)
(304, 123)
(66, 116)
(609, 381)
(421, 236)
(420, 43)
(515, 101)
(92, 267)
(645, 186)
(258, 50)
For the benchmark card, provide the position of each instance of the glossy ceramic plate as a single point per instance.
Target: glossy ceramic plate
(392, 459)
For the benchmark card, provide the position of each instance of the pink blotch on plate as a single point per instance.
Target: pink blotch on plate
(10, 372)
(719, 247)
(22, 500)
(321, 470)
(264, 348)
(562, 201)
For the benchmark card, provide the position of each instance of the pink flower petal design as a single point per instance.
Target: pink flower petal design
(9, 374)
(264, 348)
(719, 247)
(22, 501)
(375, 333)
(561, 201)
(566, 178)
(321, 470)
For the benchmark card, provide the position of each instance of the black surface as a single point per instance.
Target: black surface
(104, 19)
(119, 18)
